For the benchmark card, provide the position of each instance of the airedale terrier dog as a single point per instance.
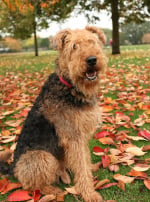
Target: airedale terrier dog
(63, 118)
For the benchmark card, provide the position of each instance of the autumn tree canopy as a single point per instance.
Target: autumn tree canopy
(22, 18)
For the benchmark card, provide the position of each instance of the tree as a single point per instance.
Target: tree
(37, 15)
(134, 32)
(122, 11)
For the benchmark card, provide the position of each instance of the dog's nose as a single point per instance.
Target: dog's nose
(91, 61)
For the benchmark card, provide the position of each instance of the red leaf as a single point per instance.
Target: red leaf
(36, 195)
(106, 161)
(10, 186)
(19, 195)
(145, 134)
(108, 185)
(147, 183)
(101, 134)
(97, 149)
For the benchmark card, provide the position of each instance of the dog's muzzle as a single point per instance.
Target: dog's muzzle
(91, 73)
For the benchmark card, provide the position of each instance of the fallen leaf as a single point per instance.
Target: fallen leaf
(3, 183)
(141, 167)
(36, 195)
(106, 140)
(71, 190)
(10, 186)
(121, 185)
(102, 182)
(19, 195)
(7, 139)
(115, 151)
(123, 178)
(135, 173)
(144, 133)
(107, 108)
(47, 198)
(97, 149)
(108, 185)
(146, 148)
(101, 134)
(113, 168)
(147, 183)
(106, 160)
(135, 138)
(136, 151)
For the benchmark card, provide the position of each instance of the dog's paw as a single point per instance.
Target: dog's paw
(94, 197)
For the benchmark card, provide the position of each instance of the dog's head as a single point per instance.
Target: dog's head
(81, 56)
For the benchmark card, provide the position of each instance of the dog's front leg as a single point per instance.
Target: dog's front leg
(78, 160)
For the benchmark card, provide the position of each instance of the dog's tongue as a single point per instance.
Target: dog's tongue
(91, 74)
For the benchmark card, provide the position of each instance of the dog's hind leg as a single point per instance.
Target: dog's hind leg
(37, 170)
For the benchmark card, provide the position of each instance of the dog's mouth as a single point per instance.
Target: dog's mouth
(91, 75)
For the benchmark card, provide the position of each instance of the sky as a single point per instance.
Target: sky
(75, 22)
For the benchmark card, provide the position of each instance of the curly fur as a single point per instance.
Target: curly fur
(57, 129)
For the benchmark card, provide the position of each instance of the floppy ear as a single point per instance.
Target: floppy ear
(97, 31)
(58, 41)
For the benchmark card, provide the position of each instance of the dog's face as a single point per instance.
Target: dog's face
(81, 57)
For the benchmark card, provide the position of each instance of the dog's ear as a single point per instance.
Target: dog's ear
(97, 31)
(58, 41)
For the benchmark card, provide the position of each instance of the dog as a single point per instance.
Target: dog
(63, 118)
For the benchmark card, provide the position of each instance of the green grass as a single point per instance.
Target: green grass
(133, 60)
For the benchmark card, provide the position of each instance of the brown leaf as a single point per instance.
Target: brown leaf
(123, 178)
(146, 148)
(7, 139)
(71, 190)
(101, 183)
(47, 198)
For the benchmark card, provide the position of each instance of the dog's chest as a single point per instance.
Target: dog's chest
(77, 123)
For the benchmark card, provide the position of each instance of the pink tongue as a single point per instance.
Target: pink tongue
(91, 74)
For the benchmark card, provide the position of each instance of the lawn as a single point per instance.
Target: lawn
(124, 95)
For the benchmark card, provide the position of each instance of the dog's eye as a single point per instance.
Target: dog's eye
(74, 46)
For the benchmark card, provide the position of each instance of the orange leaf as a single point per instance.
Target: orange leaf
(123, 178)
(146, 148)
(10, 186)
(135, 173)
(3, 183)
(107, 108)
(106, 140)
(121, 185)
(147, 183)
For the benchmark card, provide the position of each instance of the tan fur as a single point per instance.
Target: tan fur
(74, 126)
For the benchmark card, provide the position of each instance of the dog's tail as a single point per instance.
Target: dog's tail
(5, 168)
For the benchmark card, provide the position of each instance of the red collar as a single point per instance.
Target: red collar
(65, 82)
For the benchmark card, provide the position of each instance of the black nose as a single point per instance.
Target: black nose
(91, 61)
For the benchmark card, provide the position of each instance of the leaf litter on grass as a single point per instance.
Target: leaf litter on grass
(125, 100)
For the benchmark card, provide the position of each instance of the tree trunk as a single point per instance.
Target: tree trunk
(115, 25)
(35, 39)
